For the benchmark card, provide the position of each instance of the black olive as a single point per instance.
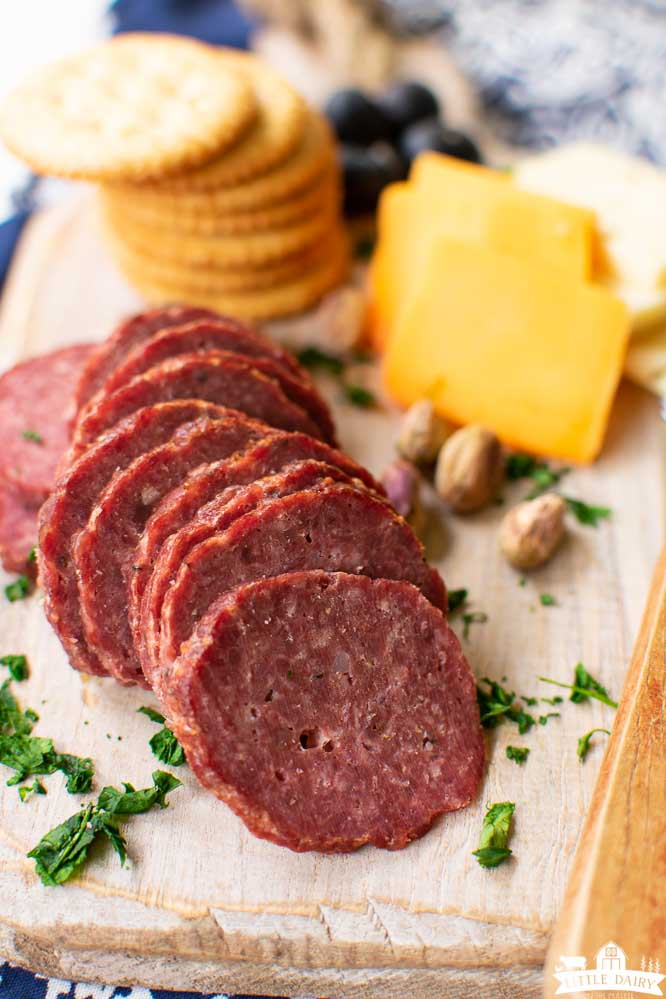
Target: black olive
(366, 173)
(357, 118)
(432, 134)
(408, 102)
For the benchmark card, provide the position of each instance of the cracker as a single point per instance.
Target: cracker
(293, 296)
(138, 106)
(324, 192)
(275, 133)
(314, 153)
(249, 250)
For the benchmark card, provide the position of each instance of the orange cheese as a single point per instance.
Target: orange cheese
(445, 197)
(526, 350)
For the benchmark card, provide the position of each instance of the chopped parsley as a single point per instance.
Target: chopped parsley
(17, 666)
(547, 600)
(319, 360)
(583, 687)
(517, 753)
(584, 741)
(34, 788)
(497, 703)
(32, 435)
(364, 248)
(164, 744)
(473, 617)
(543, 719)
(316, 359)
(62, 851)
(585, 513)
(551, 700)
(18, 590)
(525, 466)
(32, 554)
(493, 849)
(456, 598)
(359, 396)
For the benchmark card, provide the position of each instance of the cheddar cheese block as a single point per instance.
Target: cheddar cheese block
(446, 197)
(526, 350)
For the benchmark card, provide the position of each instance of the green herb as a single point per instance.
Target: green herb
(32, 555)
(456, 599)
(497, 703)
(519, 466)
(517, 753)
(316, 359)
(544, 478)
(584, 741)
(35, 788)
(32, 435)
(547, 600)
(12, 719)
(522, 582)
(18, 589)
(543, 719)
(583, 687)
(364, 248)
(164, 744)
(359, 396)
(17, 666)
(586, 514)
(62, 851)
(473, 617)
(530, 701)
(493, 849)
(550, 700)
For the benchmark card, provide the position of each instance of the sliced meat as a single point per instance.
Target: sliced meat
(208, 336)
(69, 506)
(205, 483)
(215, 517)
(130, 333)
(337, 528)
(201, 334)
(103, 550)
(36, 409)
(353, 719)
(18, 533)
(226, 380)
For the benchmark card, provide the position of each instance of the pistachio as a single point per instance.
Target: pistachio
(531, 531)
(469, 468)
(402, 483)
(422, 433)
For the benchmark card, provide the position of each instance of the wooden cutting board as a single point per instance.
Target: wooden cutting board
(203, 905)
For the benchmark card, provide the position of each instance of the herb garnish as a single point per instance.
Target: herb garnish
(164, 744)
(32, 554)
(35, 788)
(547, 600)
(359, 396)
(584, 741)
(543, 719)
(473, 617)
(493, 849)
(583, 687)
(525, 466)
(32, 435)
(586, 514)
(517, 753)
(456, 598)
(17, 666)
(314, 358)
(17, 590)
(61, 852)
(497, 703)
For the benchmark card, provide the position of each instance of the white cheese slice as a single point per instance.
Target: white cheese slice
(645, 362)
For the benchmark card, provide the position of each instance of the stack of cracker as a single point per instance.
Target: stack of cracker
(218, 185)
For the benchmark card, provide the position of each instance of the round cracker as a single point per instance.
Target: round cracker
(293, 296)
(314, 153)
(135, 107)
(324, 192)
(276, 131)
(249, 250)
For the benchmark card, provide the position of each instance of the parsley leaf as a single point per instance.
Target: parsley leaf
(543, 719)
(456, 599)
(18, 590)
(519, 466)
(314, 358)
(164, 744)
(473, 617)
(497, 703)
(583, 687)
(17, 666)
(525, 466)
(584, 741)
(364, 248)
(493, 849)
(32, 435)
(547, 600)
(586, 514)
(32, 555)
(359, 396)
(35, 788)
(517, 753)
(62, 851)
(154, 716)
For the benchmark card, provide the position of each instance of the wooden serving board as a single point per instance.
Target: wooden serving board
(203, 905)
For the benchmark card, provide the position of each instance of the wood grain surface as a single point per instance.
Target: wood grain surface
(204, 905)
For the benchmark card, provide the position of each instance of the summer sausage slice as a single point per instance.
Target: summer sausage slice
(337, 528)
(215, 517)
(103, 550)
(18, 533)
(206, 336)
(36, 409)
(204, 483)
(67, 509)
(353, 719)
(127, 335)
(228, 381)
